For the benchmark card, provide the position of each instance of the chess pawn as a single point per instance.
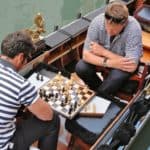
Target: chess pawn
(69, 98)
(58, 77)
(73, 105)
(37, 76)
(86, 89)
(65, 96)
(71, 84)
(50, 83)
(70, 109)
(41, 93)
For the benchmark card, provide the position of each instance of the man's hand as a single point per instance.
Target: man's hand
(114, 60)
(96, 49)
(123, 63)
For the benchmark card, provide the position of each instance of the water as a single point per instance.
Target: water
(19, 14)
(142, 141)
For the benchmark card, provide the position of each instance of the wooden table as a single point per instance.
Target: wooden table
(146, 47)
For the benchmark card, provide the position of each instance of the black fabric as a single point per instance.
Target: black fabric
(32, 129)
(73, 127)
(130, 87)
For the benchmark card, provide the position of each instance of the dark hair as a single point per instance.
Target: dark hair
(117, 12)
(17, 42)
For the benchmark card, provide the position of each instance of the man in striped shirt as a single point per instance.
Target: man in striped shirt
(15, 91)
(114, 42)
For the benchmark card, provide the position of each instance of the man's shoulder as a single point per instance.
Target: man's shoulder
(99, 18)
(10, 73)
(133, 24)
(99, 21)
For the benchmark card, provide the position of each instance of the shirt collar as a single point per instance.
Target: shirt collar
(7, 64)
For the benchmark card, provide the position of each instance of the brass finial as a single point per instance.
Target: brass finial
(38, 28)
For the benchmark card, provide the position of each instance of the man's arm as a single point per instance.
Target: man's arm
(97, 53)
(28, 96)
(41, 110)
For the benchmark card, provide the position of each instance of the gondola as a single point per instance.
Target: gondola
(59, 51)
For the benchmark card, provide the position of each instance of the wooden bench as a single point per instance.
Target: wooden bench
(146, 48)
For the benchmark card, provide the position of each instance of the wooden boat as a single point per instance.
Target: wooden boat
(60, 50)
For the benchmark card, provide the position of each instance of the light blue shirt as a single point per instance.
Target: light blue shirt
(128, 43)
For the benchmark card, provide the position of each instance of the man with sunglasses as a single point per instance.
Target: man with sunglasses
(15, 91)
(113, 41)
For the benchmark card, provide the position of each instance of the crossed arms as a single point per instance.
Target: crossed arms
(98, 53)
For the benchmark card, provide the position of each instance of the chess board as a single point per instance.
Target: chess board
(65, 95)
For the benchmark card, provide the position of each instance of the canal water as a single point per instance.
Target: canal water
(19, 14)
(142, 141)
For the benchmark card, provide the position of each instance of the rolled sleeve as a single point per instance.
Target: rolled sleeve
(93, 32)
(133, 46)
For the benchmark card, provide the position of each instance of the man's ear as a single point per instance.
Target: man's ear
(20, 58)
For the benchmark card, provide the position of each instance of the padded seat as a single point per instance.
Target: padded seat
(88, 129)
(142, 14)
(134, 84)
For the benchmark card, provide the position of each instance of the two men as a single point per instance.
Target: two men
(113, 41)
(15, 91)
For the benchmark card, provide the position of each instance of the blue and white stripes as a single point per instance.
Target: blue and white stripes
(14, 92)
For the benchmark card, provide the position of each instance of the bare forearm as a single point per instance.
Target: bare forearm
(41, 110)
(121, 63)
(99, 50)
(92, 58)
(110, 55)
(114, 60)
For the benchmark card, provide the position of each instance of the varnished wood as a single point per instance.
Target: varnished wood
(146, 47)
(146, 40)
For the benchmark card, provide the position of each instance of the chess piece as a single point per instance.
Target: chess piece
(58, 77)
(38, 76)
(41, 93)
(70, 109)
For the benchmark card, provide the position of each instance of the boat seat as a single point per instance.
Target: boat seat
(86, 130)
(142, 14)
(133, 85)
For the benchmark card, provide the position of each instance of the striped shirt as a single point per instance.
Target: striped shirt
(128, 43)
(14, 92)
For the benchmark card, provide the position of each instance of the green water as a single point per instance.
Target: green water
(142, 141)
(19, 14)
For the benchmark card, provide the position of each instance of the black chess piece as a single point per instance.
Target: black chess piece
(42, 78)
(41, 93)
(70, 109)
(38, 76)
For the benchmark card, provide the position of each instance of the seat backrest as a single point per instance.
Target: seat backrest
(142, 14)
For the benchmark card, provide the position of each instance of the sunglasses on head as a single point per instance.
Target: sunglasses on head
(114, 19)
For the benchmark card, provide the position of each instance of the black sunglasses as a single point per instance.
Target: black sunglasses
(114, 19)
